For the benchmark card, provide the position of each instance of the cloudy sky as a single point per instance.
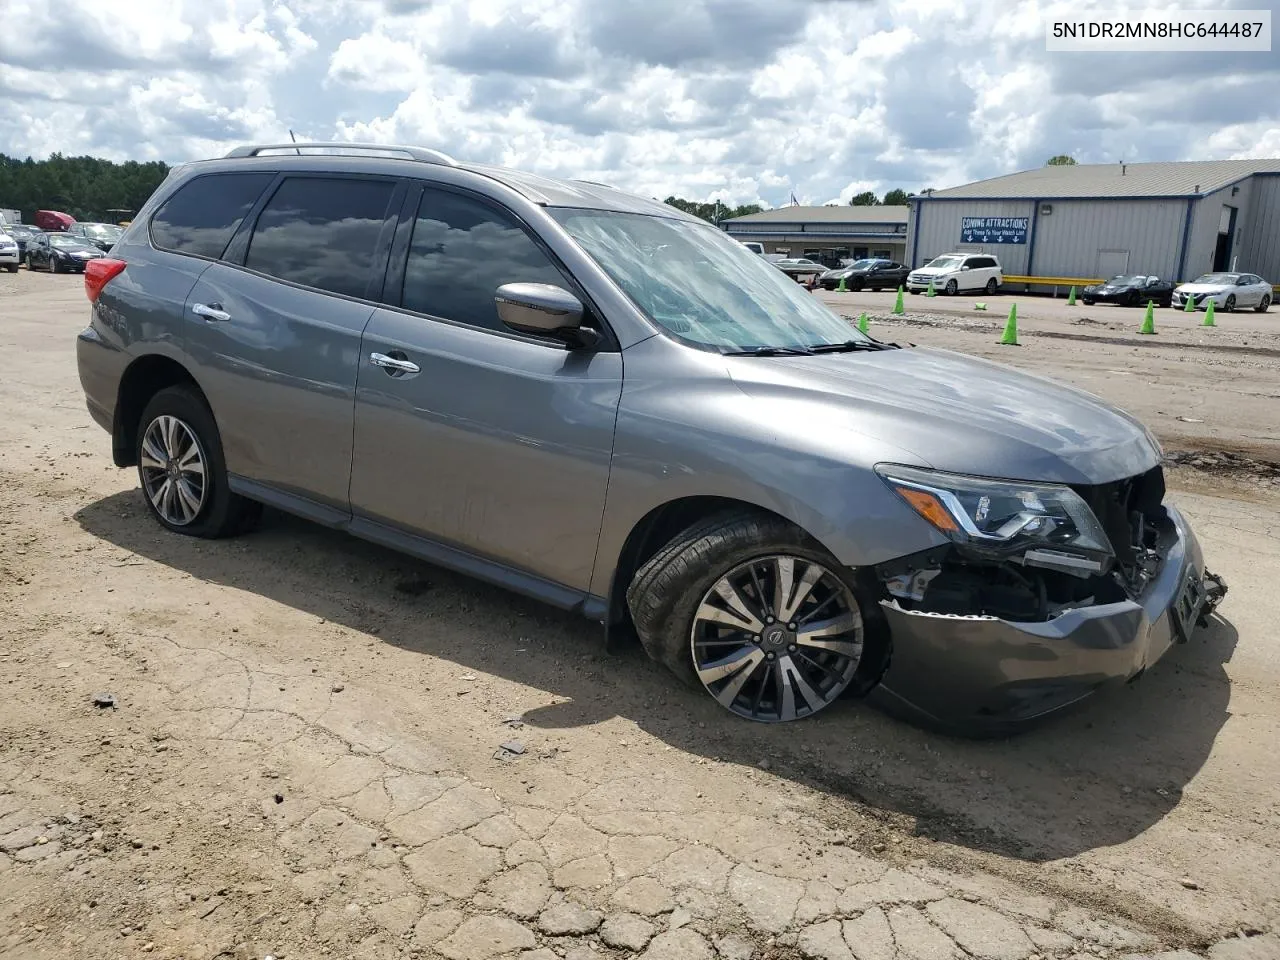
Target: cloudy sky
(740, 100)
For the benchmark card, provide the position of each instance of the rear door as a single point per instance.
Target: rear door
(496, 443)
(274, 332)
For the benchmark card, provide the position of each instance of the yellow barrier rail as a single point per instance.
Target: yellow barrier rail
(1053, 281)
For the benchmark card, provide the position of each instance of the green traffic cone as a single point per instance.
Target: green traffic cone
(1071, 297)
(898, 307)
(842, 287)
(862, 322)
(1189, 304)
(1010, 337)
(931, 292)
(1208, 315)
(1149, 319)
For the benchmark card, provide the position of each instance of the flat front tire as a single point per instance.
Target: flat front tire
(182, 471)
(753, 611)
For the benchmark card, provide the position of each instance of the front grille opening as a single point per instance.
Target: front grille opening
(1132, 513)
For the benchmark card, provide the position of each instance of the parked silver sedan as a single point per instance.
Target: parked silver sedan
(1227, 291)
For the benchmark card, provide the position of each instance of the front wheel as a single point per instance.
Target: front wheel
(53, 266)
(1230, 304)
(183, 474)
(1263, 303)
(11, 267)
(951, 288)
(756, 613)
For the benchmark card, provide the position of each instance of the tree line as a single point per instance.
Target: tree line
(88, 188)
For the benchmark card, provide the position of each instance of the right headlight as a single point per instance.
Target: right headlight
(1048, 524)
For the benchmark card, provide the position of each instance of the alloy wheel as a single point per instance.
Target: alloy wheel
(1230, 305)
(173, 470)
(777, 638)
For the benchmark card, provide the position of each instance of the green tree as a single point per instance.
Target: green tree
(1061, 160)
(714, 211)
(85, 187)
(895, 198)
(864, 199)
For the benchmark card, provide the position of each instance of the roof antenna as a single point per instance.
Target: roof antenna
(295, 140)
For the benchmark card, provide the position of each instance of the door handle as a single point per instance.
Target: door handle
(393, 364)
(210, 311)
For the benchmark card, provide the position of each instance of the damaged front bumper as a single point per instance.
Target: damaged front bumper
(985, 675)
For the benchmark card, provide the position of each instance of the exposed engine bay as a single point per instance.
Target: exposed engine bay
(1032, 584)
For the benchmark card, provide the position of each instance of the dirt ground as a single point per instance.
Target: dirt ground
(305, 756)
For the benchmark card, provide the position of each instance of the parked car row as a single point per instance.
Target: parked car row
(1227, 291)
(56, 252)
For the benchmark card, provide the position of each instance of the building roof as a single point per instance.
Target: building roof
(1185, 178)
(841, 214)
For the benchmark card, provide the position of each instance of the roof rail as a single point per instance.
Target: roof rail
(340, 147)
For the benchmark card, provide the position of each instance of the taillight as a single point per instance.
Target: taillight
(98, 273)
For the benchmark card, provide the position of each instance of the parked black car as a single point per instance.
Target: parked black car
(22, 234)
(59, 253)
(101, 235)
(1130, 291)
(871, 274)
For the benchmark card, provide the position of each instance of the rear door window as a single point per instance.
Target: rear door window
(461, 252)
(200, 219)
(322, 233)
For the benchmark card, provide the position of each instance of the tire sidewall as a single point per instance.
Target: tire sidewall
(671, 642)
(184, 404)
(951, 289)
(1229, 305)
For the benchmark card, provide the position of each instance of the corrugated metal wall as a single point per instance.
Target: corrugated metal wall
(1259, 245)
(1090, 238)
(938, 224)
(1204, 228)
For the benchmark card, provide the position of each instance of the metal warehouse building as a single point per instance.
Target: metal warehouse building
(1092, 221)
(828, 234)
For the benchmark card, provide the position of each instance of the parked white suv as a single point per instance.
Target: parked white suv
(953, 272)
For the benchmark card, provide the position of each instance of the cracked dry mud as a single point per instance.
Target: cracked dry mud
(304, 761)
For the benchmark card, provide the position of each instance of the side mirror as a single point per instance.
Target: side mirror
(545, 310)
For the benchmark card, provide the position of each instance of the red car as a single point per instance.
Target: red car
(53, 221)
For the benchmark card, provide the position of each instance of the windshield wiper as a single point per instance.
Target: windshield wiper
(770, 352)
(849, 346)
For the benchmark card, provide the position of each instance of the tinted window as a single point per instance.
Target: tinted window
(462, 251)
(201, 217)
(321, 233)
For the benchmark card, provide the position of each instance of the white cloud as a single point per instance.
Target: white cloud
(737, 100)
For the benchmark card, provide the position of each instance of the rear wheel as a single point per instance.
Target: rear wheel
(183, 474)
(752, 610)
(1263, 303)
(991, 287)
(1229, 304)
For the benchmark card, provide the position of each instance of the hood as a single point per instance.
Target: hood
(1205, 287)
(934, 271)
(959, 413)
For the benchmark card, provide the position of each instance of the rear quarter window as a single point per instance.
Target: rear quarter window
(202, 216)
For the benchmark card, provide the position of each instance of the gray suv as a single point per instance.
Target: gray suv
(594, 399)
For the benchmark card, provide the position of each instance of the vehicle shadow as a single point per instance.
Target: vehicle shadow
(1094, 778)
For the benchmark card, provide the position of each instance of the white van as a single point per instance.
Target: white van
(952, 273)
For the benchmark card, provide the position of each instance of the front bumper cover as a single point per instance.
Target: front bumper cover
(983, 675)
